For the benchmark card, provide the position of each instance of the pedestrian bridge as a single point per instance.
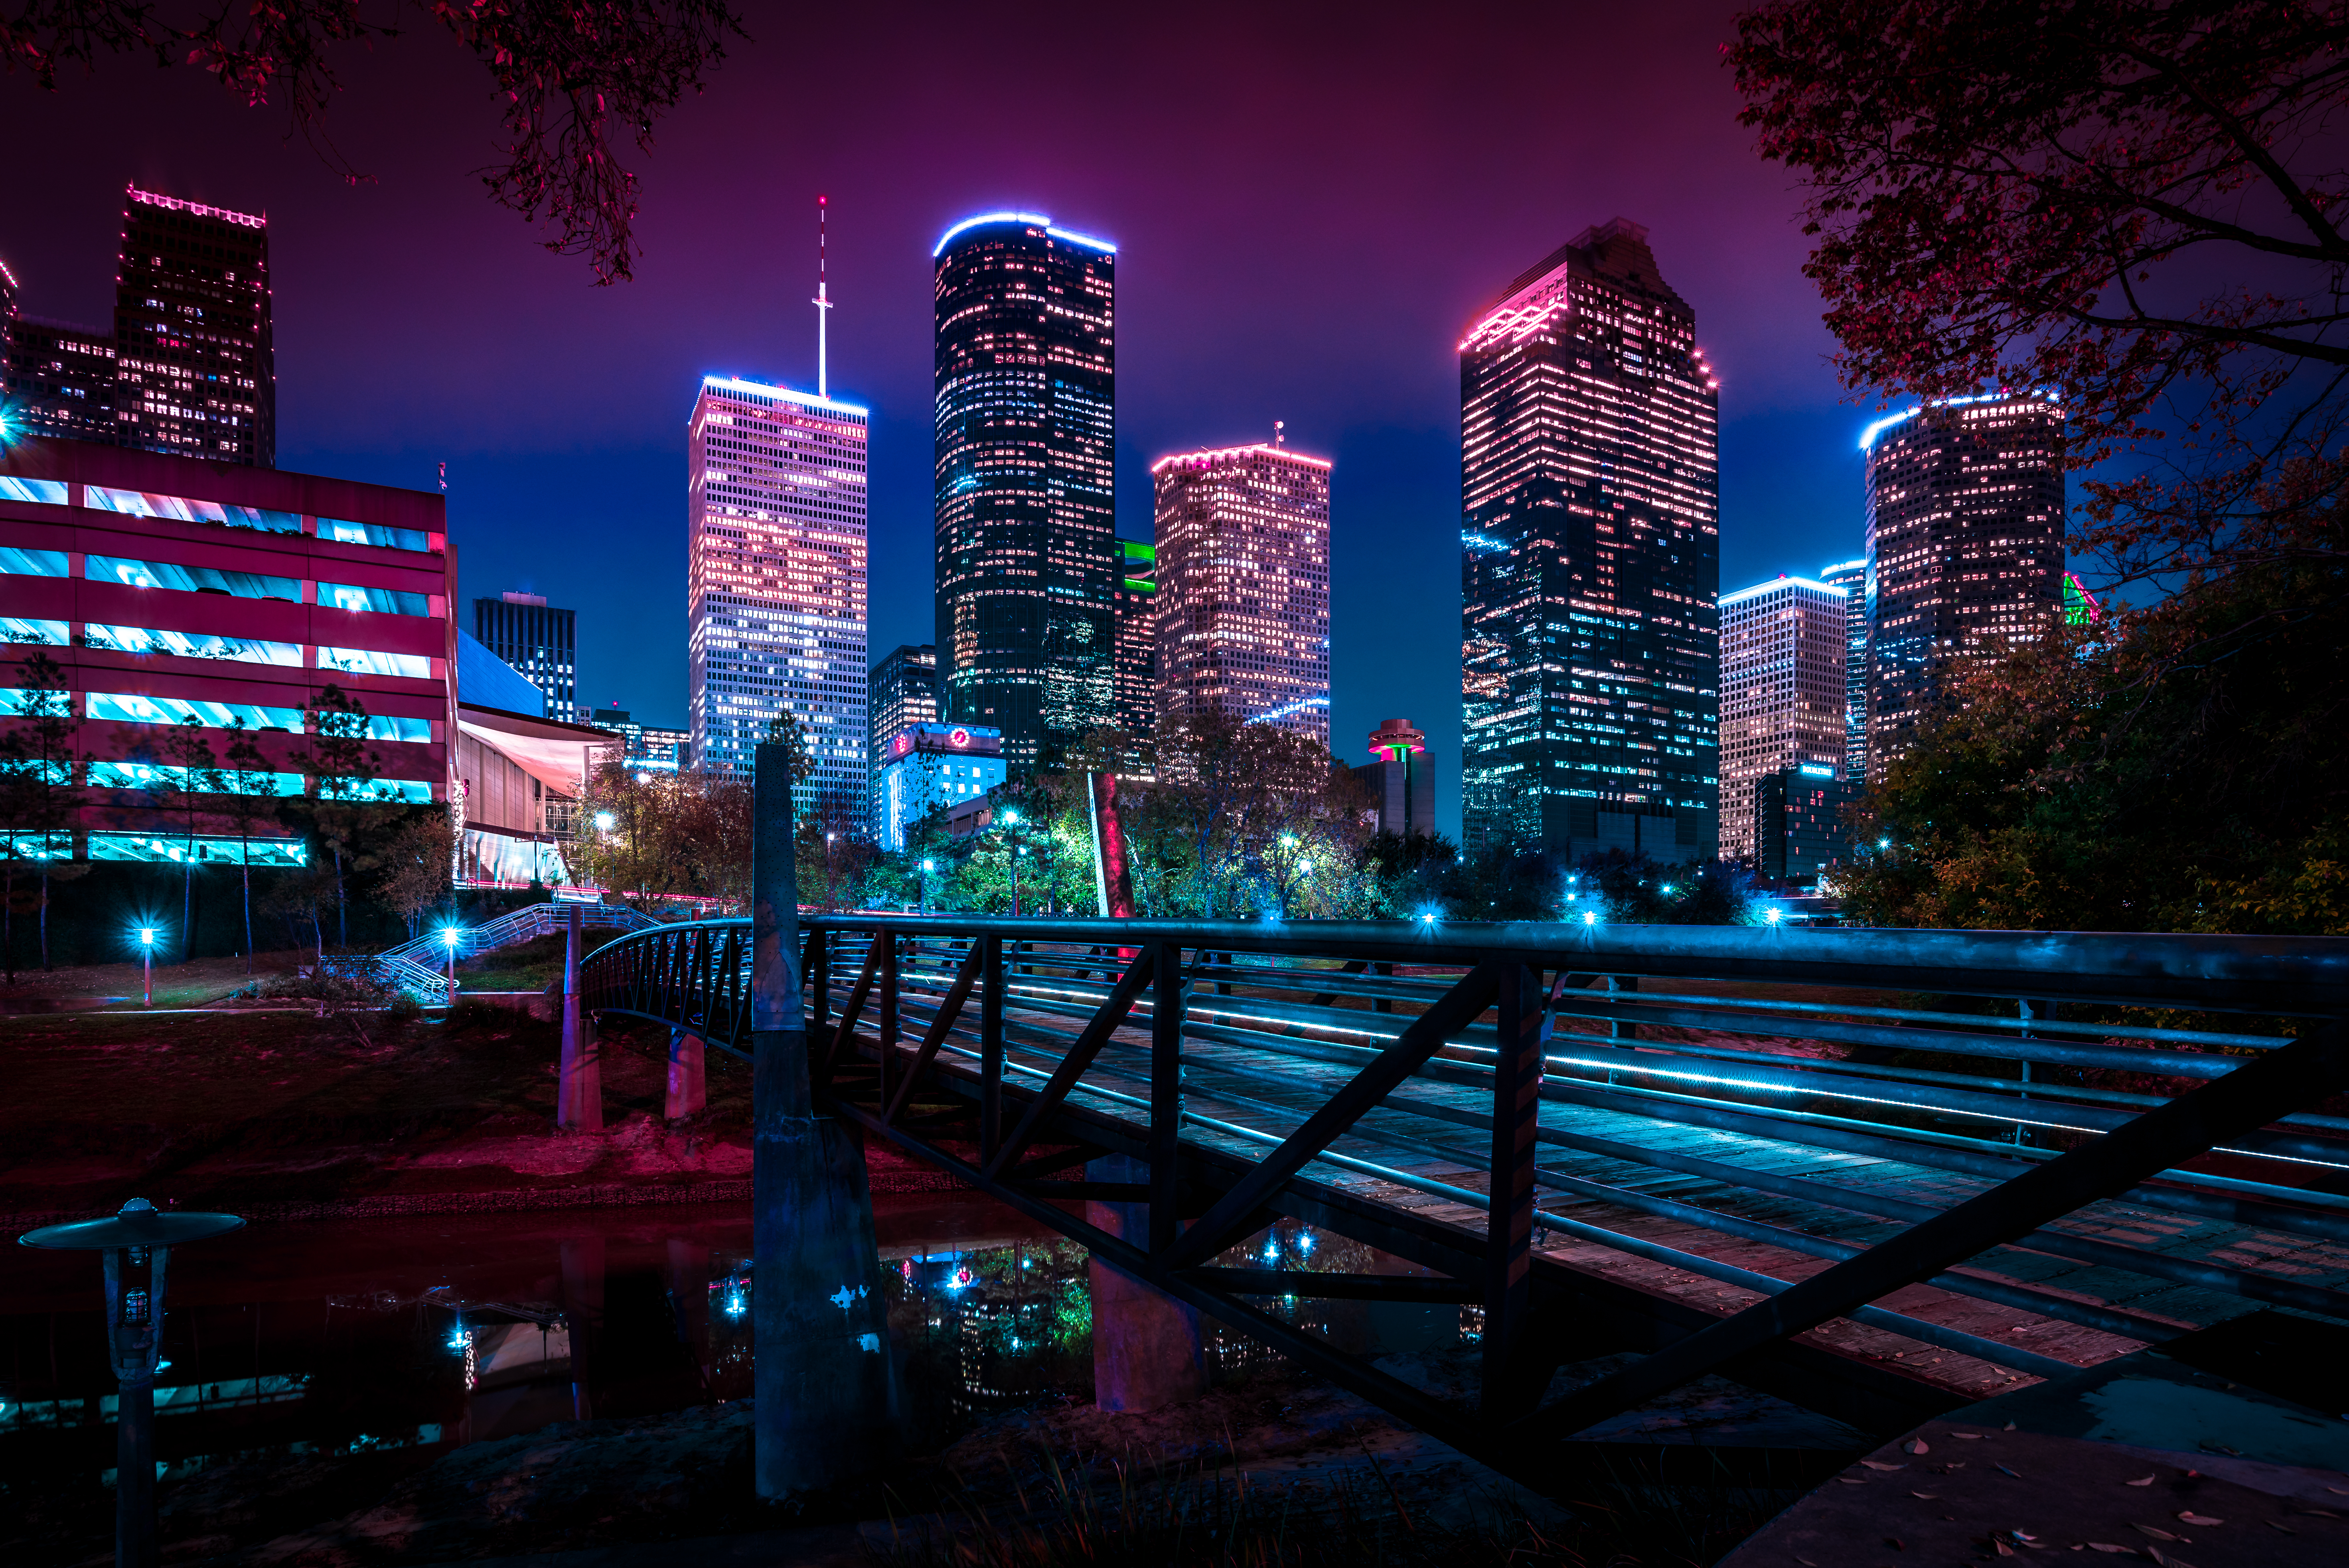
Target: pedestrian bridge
(1878, 1174)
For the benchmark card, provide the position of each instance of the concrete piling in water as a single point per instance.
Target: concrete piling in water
(579, 1088)
(1147, 1353)
(688, 1089)
(825, 1386)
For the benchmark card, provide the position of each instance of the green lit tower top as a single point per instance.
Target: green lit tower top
(1028, 565)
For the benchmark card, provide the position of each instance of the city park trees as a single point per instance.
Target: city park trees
(2138, 205)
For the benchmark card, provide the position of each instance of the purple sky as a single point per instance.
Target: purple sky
(1307, 209)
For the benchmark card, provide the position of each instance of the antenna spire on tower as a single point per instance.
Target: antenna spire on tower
(822, 306)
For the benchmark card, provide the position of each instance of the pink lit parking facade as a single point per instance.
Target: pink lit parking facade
(168, 587)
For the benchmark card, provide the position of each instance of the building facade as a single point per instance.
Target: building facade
(1028, 558)
(775, 593)
(195, 361)
(537, 639)
(1965, 548)
(1782, 694)
(1851, 576)
(1243, 597)
(1589, 560)
(925, 767)
(1799, 823)
(1402, 781)
(56, 379)
(164, 589)
(901, 692)
(1136, 631)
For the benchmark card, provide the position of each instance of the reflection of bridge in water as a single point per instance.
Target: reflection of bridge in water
(1875, 1174)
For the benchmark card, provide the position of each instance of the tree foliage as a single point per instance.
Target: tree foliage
(574, 80)
(655, 835)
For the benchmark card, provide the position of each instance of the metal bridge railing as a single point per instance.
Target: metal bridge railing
(2120, 1135)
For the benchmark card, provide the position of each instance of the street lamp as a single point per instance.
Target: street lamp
(606, 821)
(135, 1244)
(147, 966)
(927, 866)
(448, 941)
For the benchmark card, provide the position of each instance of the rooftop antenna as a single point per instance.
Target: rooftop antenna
(823, 307)
(1276, 437)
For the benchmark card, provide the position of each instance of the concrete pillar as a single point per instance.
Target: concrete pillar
(688, 1090)
(825, 1385)
(579, 1089)
(1147, 1349)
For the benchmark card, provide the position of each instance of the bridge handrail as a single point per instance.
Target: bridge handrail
(521, 925)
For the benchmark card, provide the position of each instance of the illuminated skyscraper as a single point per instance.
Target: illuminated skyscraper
(1243, 586)
(775, 598)
(1589, 560)
(901, 693)
(1137, 638)
(195, 367)
(1028, 559)
(1851, 576)
(56, 379)
(1965, 547)
(1782, 695)
(539, 640)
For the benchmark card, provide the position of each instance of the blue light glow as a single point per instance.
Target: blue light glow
(738, 386)
(1077, 239)
(947, 239)
(735, 1306)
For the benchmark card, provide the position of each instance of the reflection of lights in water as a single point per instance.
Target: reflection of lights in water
(459, 1339)
(1272, 1252)
(734, 1306)
(1305, 1241)
(907, 1268)
(962, 1278)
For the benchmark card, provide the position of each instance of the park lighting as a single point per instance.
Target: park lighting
(1666, 889)
(1012, 818)
(448, 935)
(147, 966)
(1884, 843)
(1590, 917)
(607, 821)
(135, 1243)
(1771, 917)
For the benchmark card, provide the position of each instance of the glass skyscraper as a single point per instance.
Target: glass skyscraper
(195, 366)
(902, 691)
(1243, 610)
(537, 639)
(1851, 576)
(775, 592)
(1028, 556)
(1589, 560)
(1965, 547)
(1782, 698)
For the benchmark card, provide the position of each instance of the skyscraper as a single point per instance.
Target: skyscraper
(775, 595)
(1782, 695)
(1589, 560)
(1403, 781)
(195, 367)
(1965, 547)
(1137, 603)
(1851, 576)
(56, 379)
(1028, 561)
(1243, 606)
(539, 640)
(901, 692)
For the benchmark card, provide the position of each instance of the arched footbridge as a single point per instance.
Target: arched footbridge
(1876, 1174)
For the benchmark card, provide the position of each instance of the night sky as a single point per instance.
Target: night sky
(1308, 208)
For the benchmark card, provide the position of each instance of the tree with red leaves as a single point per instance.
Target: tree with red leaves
(570, 77)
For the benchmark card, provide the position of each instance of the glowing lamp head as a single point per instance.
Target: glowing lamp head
(1884, 843)
(448, 935)
(605, 820)
(1011, 817)
(1771, 917)
(1590, 917)
(930, 864)
(1666, 889)
(146, 936)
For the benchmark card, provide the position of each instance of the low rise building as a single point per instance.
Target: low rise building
(927, 766)
(1799, 823)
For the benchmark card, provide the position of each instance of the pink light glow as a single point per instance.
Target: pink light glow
(195, 209)
(1290, 453)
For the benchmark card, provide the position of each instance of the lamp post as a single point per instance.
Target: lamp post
(1011, 819)
(927, 866)
(449, 945)
(147, 966)
(134, 1245)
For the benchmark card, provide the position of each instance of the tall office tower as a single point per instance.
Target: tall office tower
(1782, 695)
(902, 691)
(1136, 601)
(1589, 560)
(56, 379)
(775, 591)
(1965, 547)
(195, 367)
(1403, 781)
(541, 642)
(1851, 576)
(1027, 521)
(1243, 586)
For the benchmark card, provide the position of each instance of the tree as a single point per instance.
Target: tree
(1233, 787)
(248, 794)
(416, 866)
(568, 74)
(339, 773)
(39, 779)
(2135, 202)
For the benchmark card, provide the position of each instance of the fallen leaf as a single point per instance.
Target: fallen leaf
(1970, 1437)
(2159, 1534)
(2344, 1491)
(2190, 1517)
(2004, 1549)
(2279, 1524)
(2165, 1559)
(1927, 1496)
(2147, 1482)
(2108, 1546)
(1917, 1448)
(1880, 1465)
(2011, 1472)
(1853, 1481)
(1806, 1562)
(2319, 1512)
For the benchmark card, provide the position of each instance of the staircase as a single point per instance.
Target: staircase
(420, 967)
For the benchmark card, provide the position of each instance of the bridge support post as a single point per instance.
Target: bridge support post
(688, 1088)
(579, 1085)
(1147, 1349)
(824, 1382)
